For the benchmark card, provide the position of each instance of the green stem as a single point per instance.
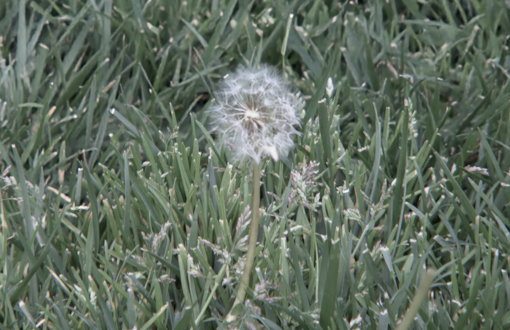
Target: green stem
(252, 241)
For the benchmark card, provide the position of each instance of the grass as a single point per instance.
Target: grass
(118, 211)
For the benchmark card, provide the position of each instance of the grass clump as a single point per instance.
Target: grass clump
(119, 211)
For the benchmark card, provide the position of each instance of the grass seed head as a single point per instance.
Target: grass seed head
(256, 113)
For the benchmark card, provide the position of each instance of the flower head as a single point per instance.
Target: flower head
(256, 114)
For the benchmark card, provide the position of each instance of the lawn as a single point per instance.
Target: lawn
(121, 207)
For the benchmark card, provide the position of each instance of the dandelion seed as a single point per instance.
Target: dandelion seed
(329, 87)
(256, 114)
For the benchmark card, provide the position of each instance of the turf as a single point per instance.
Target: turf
(119, 211)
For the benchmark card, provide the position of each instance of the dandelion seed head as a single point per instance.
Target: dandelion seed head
(256, 113)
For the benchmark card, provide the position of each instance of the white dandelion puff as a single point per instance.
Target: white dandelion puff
(256, 113)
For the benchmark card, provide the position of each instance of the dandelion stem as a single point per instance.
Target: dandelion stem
(252, 241)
